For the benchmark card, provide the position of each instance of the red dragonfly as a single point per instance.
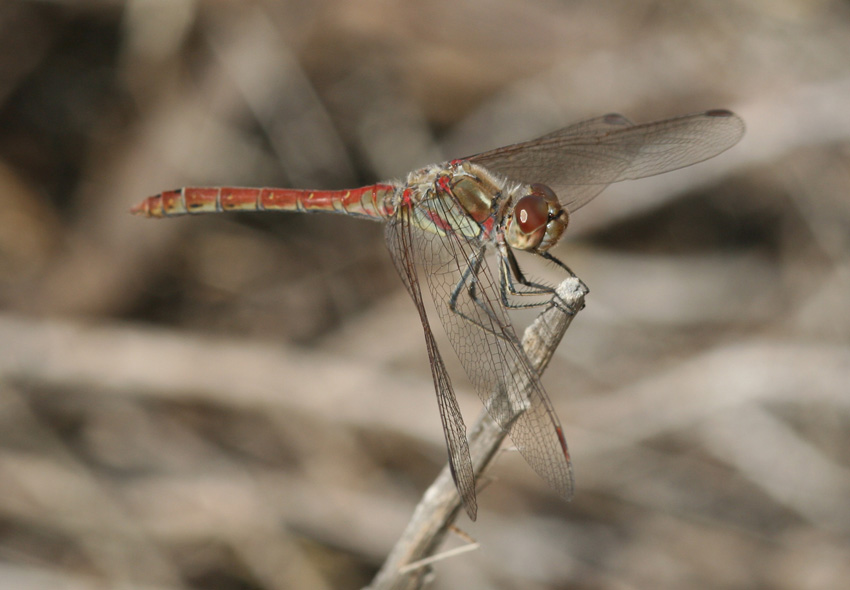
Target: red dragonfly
(442, 221)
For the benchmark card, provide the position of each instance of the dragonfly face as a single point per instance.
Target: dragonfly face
(537, 221)
(531, 215)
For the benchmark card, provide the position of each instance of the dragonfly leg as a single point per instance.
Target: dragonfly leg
(468, 284)
(567, 269)
(512, 278)
(512, 283)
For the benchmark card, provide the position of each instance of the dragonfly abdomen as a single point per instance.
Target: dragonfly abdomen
(373, 201)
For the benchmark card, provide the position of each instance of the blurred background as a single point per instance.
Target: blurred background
(244, 402)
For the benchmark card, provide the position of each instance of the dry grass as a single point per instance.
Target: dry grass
(202, 403)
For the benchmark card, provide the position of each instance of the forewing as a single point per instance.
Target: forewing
(400, 243)
(485, 342)
(579, 161)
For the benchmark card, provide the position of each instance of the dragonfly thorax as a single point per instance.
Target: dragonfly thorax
(473, 189)
(537, 220)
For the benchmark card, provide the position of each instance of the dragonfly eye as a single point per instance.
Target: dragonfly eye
(538, 220)
(531, 213)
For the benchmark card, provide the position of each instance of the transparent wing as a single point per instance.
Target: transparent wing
(481, 334)
(402, 243)
(579, 161)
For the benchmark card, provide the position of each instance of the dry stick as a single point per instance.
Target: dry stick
(440, 503)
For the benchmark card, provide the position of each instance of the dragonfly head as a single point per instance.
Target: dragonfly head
(537, 220)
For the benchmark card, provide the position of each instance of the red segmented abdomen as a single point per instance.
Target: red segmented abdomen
(373, 201)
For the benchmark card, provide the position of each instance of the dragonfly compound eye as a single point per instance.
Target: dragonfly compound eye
(527, 226)
(538, 220)
(531, 213)
(557, 217)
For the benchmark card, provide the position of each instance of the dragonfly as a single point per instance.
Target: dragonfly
(443, 224)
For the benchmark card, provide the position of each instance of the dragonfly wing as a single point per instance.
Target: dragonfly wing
(579, 161)
(401, 243)
(479, 330)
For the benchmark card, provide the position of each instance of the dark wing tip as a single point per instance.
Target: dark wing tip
(734, 119)
(719, 113)
(616, 119)
(733, 123)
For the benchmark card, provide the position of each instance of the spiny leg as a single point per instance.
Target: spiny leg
(510, 274)
(569, 271)
(469, 282)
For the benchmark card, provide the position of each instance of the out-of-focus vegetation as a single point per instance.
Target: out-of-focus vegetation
(246, 403)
